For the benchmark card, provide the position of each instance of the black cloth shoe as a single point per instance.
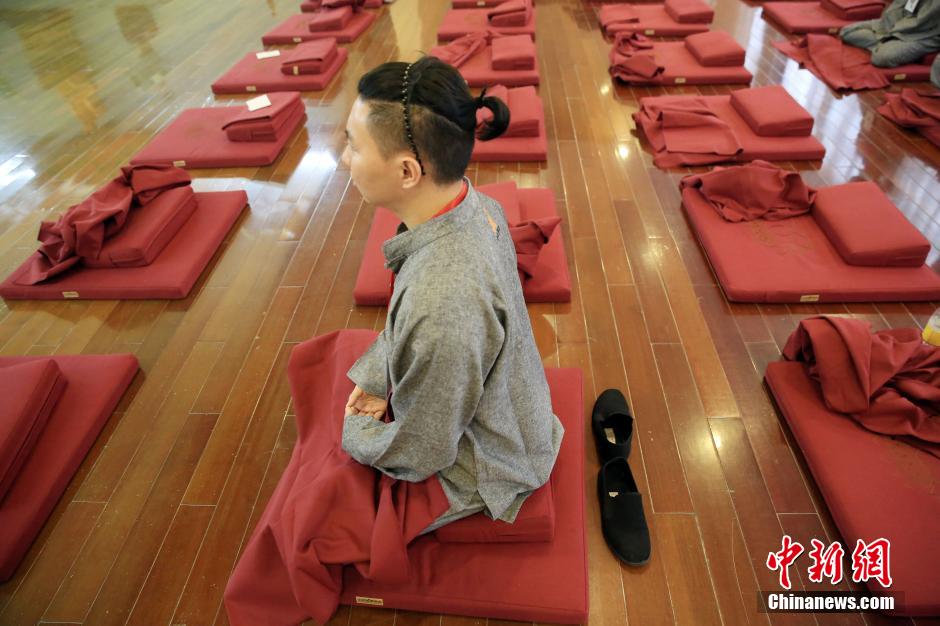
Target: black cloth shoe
(612, 424)
(622, 518)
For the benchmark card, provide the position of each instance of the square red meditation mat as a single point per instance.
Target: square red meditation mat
(792, 260)
(654, 21)
(899, 500)
(294, 29)
(478, 72)
(196, 139)
(460, 22)
(531, 581)
(252, 74)
(172, 274)
(94, 386)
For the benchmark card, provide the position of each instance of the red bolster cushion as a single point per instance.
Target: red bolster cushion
(30, 391)
(311, 57)
(148, 230)
(331, 19)
(715, 48)
(515, 52)
(267, 124)
(854, 10)
(772, 112)
(689, 11)
(866, 228)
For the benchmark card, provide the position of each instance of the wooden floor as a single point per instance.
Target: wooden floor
(151, 526)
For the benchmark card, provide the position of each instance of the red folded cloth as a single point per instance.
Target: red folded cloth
(689, 11)
(525, 110)
(612, 14)
(758, 190)
(912, 109)
(330, 19)
(267, 124)
(889, 381)
(458, 51)
(514, 52)
(327, 510)
(83, 228)
(772, 112)
(510, 13)
(866, 228)
(689, 126)
(715, 48)
(529, 237)
(30, 391)
(854, 10)
(839, 66)
(633, 58)
(311, 57)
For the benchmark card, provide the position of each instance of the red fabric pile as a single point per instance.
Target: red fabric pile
(686, 130)
(82, 230)
(888, 381)
(758, 190)
(458, 51)
(529, 237)
(632, 58)
(915, 109)
(840, 66)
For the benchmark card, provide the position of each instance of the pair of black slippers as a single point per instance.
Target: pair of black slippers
(622, 520)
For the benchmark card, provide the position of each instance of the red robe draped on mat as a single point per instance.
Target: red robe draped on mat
(758, 190)
(327, 510)
(81, 231)
(840, 66)
(529, 237)
(458, 51)
(915, 109)
(888, 381)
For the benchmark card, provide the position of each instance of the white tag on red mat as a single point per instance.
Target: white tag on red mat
(267, 54)
(261, 102)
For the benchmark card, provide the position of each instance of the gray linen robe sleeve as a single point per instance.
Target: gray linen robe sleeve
(440, 360)
(370, 371)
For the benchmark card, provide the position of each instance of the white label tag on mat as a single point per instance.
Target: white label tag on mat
(251, 88)
(900, 76)
(180, 163)
(911, 5)
(649, 31)
(613, 494)
(833, 31)
(370, 601)
(609, 433)
(296, 71)
(261, 102)
(298, 39)
(267, 54)
(810, 298)
(680, 80)
(69, 294)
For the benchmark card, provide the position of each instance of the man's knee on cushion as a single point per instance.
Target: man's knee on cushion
(895, 53)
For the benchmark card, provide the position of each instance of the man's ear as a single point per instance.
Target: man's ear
(410, 172)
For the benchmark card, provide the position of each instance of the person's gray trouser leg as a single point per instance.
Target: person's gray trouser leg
(860, 34)
(895, 52)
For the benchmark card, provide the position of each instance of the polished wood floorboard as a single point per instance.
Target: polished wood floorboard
(150, 527)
